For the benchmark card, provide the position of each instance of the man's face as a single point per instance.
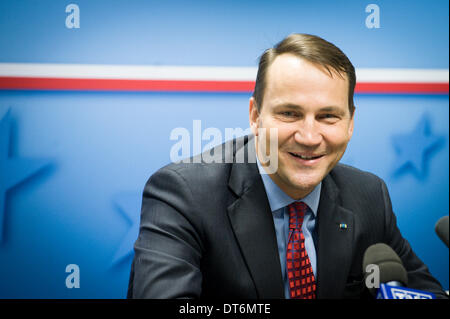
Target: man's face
(310, 110)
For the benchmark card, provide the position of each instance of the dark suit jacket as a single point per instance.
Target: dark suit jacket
(207, 231)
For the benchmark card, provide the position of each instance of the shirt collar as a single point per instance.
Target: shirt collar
(279, 199)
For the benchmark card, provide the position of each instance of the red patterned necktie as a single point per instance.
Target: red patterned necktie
(302, 284)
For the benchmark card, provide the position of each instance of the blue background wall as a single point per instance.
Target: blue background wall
(73, 164)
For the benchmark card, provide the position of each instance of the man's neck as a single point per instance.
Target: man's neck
(295, 194)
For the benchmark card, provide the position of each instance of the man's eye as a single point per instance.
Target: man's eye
(328, 116)
(288, 113)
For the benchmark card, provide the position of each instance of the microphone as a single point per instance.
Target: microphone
(392, 274)
(441, 229)
(389, 263)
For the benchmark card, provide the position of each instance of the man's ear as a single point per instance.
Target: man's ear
(253, 116)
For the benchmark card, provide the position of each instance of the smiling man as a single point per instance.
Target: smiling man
(308, 104)
(244, 230)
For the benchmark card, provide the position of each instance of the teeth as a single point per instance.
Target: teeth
(304, 157)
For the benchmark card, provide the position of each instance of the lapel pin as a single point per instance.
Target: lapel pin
(343, 226)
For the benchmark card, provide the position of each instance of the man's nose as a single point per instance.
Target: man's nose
(308, 133)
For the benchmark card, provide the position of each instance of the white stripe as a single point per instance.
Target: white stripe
(402, 75)
(140, 72)
(198, 73)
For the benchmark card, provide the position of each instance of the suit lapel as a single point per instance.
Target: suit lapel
(252, 223)
(335, 242)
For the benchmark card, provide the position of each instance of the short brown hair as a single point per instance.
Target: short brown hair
(313, 49)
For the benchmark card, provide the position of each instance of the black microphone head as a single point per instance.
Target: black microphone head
(441, 229)
(389, 263)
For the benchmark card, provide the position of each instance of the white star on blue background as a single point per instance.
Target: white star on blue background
(415, 148)
(13, 171)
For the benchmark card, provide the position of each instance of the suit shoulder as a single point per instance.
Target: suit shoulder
(349, 176)
(211, 165)
(194, 172)
(365, 194)
(347, 170)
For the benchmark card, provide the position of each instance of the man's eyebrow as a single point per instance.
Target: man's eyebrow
(331, 108)
(288, 106)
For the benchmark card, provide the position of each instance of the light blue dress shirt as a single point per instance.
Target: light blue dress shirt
(278, 201)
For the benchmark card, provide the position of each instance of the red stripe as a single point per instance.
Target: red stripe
(29, 83)
(402, 88)
(25, 83)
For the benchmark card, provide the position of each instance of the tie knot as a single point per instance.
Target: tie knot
(297, 211)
